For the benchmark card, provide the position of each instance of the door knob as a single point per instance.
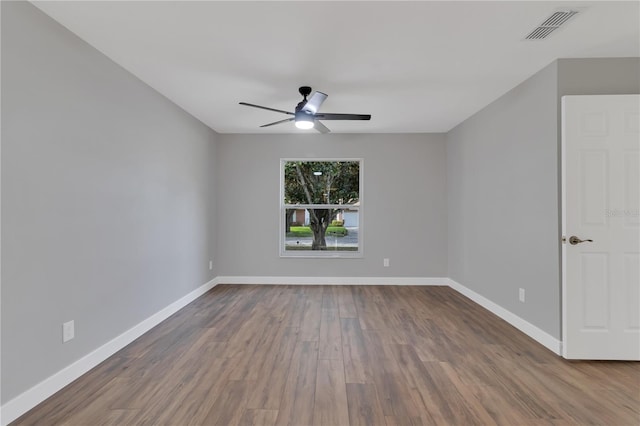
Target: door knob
(573, 240)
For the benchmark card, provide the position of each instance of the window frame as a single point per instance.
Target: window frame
(321, 254)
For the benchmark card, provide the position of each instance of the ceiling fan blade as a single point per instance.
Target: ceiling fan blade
(267, 108)
(278, 122)
(314, 102)
(330, 116)
(320, 127)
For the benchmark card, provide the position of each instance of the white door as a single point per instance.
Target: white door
(600, 202)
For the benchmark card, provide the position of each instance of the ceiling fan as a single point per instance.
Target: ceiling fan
(306, 115)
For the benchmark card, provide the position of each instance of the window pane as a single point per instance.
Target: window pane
(321, 229)
(322, 182)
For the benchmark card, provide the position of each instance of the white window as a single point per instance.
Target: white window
(321, 207)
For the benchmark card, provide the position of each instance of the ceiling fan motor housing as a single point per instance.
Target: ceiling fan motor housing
(303, 116)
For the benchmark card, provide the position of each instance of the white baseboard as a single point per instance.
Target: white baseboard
(540, 336)
(43, 390)
(333, 280)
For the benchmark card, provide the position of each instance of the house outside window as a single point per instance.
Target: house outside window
(321, 208)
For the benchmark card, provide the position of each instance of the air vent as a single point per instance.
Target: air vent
(551, 24)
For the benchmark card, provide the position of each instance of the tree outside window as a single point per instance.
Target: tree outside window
(321, 208)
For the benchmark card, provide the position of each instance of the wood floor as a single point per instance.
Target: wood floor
(341, 355)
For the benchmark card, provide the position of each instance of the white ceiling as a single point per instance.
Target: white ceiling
(415, 66)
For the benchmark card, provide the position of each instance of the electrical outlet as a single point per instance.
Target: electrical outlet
(211, 265)
(521, 295)
(385, 262)
(68, 331)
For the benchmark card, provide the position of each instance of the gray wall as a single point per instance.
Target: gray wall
(503, 187)
(106, 202)
(599, 76)
(404, 204)
(503, 206)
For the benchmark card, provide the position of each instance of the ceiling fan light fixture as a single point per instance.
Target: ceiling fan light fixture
(304, 124)
(304, 121)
